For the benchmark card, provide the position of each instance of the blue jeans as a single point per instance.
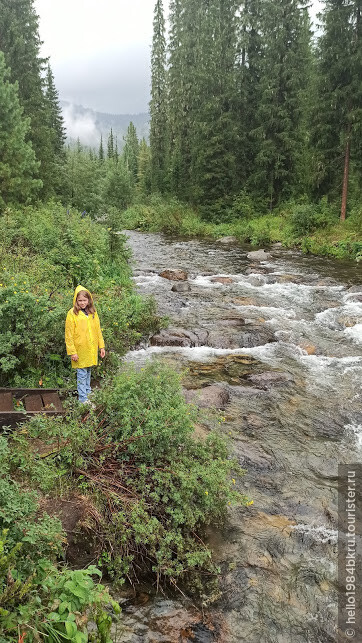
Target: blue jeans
(83, 383)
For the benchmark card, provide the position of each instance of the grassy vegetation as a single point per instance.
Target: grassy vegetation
(313, 228)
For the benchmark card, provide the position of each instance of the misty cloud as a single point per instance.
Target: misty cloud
(82, 126)
(115, 82)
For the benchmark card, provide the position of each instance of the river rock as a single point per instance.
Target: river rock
(213, 396)
(256, 336)
(295, 279)
(257, 269)
(357, 298)
(227, 240)
(327, 281)
(217, 339)
(355, 289)
(259, 255)
(270, 378)
(246, 391)
(175, 337)
(222, 280)
(310, 349)
(234, 322)
(244, 301)
(174, 275)
(184, 286)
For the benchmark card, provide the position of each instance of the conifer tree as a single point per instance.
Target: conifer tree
(55, 117)
(18, 166)
(110, 145)
(250, 53)
(158, 112)
(144, 182)
(338, 117)
(101, 150)
(131, 151)
(214, 136)
(20, 42)
(279, 134)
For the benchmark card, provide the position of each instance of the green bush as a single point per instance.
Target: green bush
(307, 217)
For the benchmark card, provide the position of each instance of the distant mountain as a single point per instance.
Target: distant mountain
(88, 125)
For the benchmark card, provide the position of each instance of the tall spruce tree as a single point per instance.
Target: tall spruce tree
(158, 111)
(250, 54)
(131, 152)
(20, 42)
(101, 150)
(55, 116)
(144, 182)
(182, 43)
(110, 145)
(18, 166)
(280, 136)
(214, 135)
(338, 117)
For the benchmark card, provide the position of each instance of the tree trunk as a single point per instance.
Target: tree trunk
(345, 179)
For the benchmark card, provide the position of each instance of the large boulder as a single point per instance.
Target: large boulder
(183, 286)
(259, 255)
(175, 337)
(222, 280)
(227, 240)
(210, 397)
(255, 336)
(175, 275)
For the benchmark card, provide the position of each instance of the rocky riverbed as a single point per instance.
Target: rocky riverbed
(274, 340)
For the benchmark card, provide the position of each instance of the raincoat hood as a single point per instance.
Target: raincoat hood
(78, 290)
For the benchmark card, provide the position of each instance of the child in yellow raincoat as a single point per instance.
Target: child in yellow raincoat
(83, 338)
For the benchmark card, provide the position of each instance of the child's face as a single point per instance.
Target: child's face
(82, 301)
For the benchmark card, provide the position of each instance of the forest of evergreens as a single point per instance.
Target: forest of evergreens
(250, 110)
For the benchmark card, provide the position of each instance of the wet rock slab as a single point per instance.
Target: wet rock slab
(213, 396)
(252, 455)
(270, 378)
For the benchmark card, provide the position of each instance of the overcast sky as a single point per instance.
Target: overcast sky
(100, 51)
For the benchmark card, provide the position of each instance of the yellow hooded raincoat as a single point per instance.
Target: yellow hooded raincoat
(83, 335)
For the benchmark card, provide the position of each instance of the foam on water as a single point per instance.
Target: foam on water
(202, 353)
(333, 317)
(354, 333)
(354, 433)
(142, 280)
(276, 313)
(320, 534)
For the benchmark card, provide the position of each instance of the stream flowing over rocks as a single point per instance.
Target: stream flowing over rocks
(275, 340)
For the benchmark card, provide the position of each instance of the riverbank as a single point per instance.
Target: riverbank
(314, 229)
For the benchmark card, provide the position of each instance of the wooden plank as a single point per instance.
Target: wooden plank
(6, 402)
(33, 403)
(18, 392)
(52, 402)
